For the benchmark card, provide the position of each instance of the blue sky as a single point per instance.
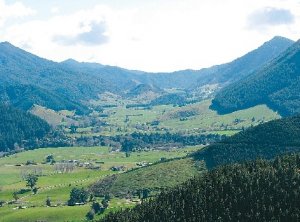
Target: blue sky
(156, 35)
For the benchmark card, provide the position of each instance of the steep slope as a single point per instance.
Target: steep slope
(276, 84)
(247, 64)
(153, 178)
(25, 96)
(266, 140)
(258, 191)
(18, 67)
(17, 126)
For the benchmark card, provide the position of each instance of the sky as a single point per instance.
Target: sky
(148, 35)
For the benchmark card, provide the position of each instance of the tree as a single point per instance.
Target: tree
(104, 203)
(48, 202)
(73, 128)
(90, 215)
(35, 190)
(146, 193)
(31, 180)
(15, 196)
(78, 196)
(2, 202)
(50, 159)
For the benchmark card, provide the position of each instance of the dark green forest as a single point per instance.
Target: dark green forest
(266, 141)
(25, 96)
(276, 85)
(253, 191)
(18, 127)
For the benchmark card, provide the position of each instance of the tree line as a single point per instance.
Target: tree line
(141, 141)
(266, 140)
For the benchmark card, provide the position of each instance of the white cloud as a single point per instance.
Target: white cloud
(15, 10)
(171, 35)
(55, 10)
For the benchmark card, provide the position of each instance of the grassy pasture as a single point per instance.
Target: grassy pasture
(192, 118)
(57, 186)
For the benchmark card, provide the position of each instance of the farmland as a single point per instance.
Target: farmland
(119, 119)
(57, 186)
(147, 169)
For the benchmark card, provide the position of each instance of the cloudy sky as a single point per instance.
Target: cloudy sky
(149, 35)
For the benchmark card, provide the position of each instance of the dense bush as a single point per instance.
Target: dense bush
(17, 128)
(254, 191)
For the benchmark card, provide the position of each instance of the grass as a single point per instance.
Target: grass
(57, 186)
(156, 177)
(199, 119)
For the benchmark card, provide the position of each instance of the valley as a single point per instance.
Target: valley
(90, 142)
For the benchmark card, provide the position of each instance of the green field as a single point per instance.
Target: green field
(189, 119)
(194, 118)
(57, 186)
(157, 177)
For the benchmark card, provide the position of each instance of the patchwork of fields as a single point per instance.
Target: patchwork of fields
(57, 186)
(91, 164)
(189, 119)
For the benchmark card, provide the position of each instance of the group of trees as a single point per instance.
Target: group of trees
(253, 191)
(78, 196)
(140, 141)
(98, 208)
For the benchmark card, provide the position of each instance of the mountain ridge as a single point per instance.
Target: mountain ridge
(275, 85)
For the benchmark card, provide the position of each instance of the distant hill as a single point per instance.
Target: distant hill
(25, 96)
(188, 79)
(276, 84)
(20, 68)
(267, 140)
(256, 191)
(240, 68)
(143, 89)
(170, 99)
(17, 127)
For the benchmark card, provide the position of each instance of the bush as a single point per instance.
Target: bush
(78, 196)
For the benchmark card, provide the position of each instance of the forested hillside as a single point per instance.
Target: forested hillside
(254, 191)
(25, 96)
(266, 140)
(276, 85)
(17, 128)
(22, 69)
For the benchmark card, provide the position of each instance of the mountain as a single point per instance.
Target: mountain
(118, 79)
(20, 68)
(276, 85)
(70, 84)
(25, 96)
(240, 68)
(17, 127)
(267, 141)
(256, 191)
(187, 79)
